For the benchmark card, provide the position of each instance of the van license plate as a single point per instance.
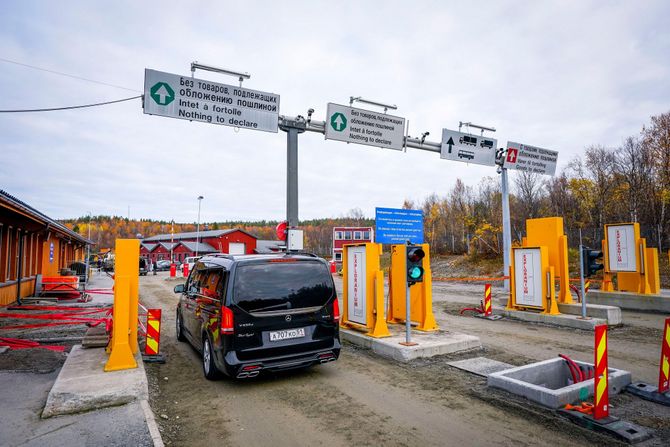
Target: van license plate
(287, 334)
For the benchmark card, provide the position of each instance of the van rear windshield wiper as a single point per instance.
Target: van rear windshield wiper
(275, 306)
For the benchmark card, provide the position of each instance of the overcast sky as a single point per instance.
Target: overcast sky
(560, 75)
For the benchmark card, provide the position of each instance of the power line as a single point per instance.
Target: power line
(53, 109)
(67, 75)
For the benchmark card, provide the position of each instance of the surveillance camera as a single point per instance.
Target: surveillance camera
(310, 111)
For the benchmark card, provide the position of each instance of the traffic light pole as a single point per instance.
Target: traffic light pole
(581, 274)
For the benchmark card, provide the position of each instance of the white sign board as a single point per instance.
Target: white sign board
(621, 251)
(356, 285)
(528, 277)
(367, 127)
(193, 99)
(523, 157)
(459, 146)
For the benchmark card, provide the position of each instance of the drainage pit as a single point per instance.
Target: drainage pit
(550, 383)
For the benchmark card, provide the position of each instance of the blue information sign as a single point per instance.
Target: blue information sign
(51, 252)
(397, 226)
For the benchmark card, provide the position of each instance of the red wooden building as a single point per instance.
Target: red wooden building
(349, 235)
(183, 245)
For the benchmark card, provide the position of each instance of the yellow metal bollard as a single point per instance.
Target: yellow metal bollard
(121, 356)
(126, 300)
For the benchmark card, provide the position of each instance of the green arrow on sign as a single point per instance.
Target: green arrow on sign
(338, 121)
(162, 93)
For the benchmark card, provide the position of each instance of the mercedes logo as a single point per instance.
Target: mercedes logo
(287, 318)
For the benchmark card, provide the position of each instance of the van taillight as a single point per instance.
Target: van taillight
(226, 320)
(336, 310)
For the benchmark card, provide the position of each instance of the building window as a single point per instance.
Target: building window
(366, 235)
(338, 256)
(2, 256)
(8, 257)
(347, 235)
(338, 235)
(357, 235)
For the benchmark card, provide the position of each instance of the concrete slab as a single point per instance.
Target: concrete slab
(82, 385)
(480, 366)
(632, 301)
(429, 344)
(564, 320)
(611, 314)
(549, 382)
(601, 311)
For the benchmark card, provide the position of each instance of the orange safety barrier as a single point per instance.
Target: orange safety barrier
(488, 311)
(600, 385)
(475, 278)
(153, 331)
(664, 370)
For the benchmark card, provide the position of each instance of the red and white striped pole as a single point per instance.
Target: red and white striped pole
(664, 370)
(488, 310)
(600, 385)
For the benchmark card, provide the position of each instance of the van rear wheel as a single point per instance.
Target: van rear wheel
(179, 327)
(208, 366)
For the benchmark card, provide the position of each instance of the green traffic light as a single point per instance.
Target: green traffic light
(415, 272)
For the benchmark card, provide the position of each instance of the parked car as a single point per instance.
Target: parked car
(144, 266)
(252, 313)
(190, 260)
(164, 264)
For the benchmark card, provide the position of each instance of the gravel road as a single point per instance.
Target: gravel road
(365, 400)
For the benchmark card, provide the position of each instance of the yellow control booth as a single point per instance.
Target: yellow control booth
(532, 281)
(363, 290)
(625, 254)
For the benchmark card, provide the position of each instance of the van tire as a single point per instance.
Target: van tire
(179, 327)
(208, 366)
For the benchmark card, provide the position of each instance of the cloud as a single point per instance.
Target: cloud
(561, 75)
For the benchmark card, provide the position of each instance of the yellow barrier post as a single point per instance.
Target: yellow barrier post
(126, 288)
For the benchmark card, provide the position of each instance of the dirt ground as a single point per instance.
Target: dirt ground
(365, 400)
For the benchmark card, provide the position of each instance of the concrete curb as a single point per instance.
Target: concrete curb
(82, 385)
(563, 320)
(151, 424)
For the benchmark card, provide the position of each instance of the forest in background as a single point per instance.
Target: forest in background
(629, 183)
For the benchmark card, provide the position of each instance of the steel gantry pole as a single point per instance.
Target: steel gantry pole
(507, 230)
(293, 127)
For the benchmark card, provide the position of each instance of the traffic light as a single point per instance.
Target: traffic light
(590, 260)
(415, 255)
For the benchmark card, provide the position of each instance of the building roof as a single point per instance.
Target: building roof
(201, 247)
(193, 235)
(9, 201)
(168, 245)
(269, 246)
(148, 246)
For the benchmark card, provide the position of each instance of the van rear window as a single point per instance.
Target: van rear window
(281, 286)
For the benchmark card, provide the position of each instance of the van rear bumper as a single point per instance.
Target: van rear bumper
(234, 367)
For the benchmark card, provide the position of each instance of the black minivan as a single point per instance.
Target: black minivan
(250, 313)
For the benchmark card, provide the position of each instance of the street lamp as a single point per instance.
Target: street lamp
(197, 237)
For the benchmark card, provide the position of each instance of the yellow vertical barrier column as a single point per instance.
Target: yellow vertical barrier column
(126, 295)
(653, 274)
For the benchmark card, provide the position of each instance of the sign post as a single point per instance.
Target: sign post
(184, 97)
(367, 127)
(468, 148)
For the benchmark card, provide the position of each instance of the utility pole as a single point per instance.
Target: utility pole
(88, 249)
(507, 230)
(197, 234)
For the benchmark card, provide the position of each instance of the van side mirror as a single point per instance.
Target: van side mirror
(179, 288)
